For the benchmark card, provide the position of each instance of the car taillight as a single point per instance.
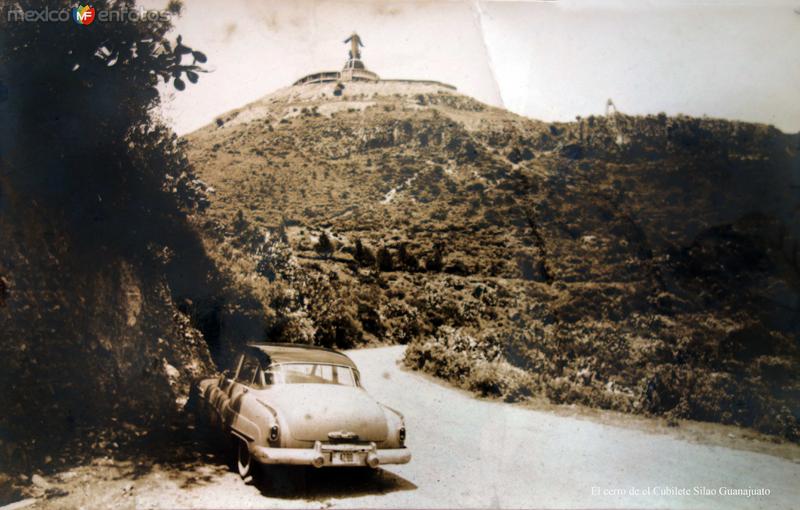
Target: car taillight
(402, 435)
(273, 433)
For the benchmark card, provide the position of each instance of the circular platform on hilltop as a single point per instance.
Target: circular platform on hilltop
(354, 70)
(362, 76)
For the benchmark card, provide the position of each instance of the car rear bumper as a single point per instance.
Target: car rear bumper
(323, 455)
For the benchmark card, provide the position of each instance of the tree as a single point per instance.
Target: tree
(98, 192)
(88, 150)
(275, 260)
(283, 235)
(407, 259)
(240, 223)
(364, 255)
(385, 260)
(324, 245)
(435, 262)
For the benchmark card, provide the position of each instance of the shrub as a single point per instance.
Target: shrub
(363, 255)
(324, 245)
(385, 260)
(275, 260)
(407, 259)
(435, 262)
(490, 379)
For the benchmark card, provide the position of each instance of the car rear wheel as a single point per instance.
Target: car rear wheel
(245, 465)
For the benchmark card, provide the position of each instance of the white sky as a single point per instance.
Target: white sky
(550, 60)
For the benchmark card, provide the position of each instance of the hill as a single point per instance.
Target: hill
(644, 264)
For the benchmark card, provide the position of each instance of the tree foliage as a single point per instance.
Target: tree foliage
(324, 245)
(363, 254)
(385, 259)
(82, 150)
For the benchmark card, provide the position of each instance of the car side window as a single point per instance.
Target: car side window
(248, 371)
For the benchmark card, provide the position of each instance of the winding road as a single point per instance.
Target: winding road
(471, 453)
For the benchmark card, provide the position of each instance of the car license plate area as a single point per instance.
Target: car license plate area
(347, 458)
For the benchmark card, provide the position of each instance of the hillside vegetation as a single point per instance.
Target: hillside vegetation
(643, 264)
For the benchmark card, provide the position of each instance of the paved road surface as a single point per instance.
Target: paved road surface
(473, 453)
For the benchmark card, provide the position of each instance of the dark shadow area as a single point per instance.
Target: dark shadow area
(194, 457)
(305, 482)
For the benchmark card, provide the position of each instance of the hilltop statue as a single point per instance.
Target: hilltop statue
(355, 43)
(353, 70)
(611, 108)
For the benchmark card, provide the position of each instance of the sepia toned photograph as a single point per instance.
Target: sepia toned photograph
(399, 254)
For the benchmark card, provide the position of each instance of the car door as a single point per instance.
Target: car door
(245, 421)
(238, 389)
(219, 400)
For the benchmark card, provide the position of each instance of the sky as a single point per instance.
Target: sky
(549, 60)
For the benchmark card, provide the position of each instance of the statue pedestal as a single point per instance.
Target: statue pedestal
(354, 70)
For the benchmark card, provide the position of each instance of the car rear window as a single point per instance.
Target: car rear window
(310, 373)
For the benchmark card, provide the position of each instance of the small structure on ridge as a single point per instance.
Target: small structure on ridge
(354, 68)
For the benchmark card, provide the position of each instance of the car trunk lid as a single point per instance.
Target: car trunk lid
(323, 412)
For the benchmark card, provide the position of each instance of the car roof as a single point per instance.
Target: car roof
(299, 353)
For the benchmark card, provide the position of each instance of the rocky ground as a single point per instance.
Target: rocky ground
(644, 264)
(87, 348)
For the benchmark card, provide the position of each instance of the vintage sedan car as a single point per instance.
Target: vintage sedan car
(296, 404)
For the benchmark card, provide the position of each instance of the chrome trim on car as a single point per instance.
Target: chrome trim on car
(395, 411)
(321, 454)
(269, 408)
(343, 434)
(241, 435)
